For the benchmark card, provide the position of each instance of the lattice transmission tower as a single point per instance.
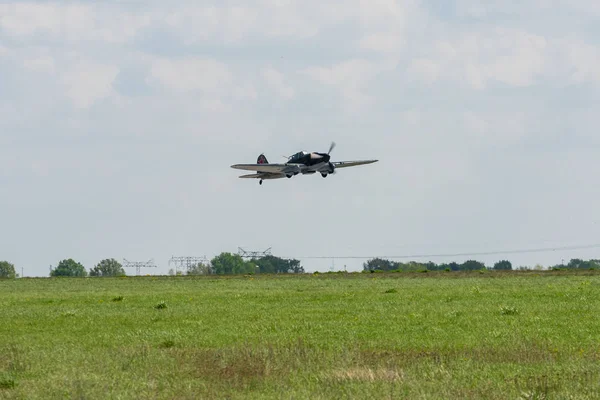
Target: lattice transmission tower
(253, 254)
(187, 262)
(138, 265)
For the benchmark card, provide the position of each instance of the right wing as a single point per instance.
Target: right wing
(343, 164)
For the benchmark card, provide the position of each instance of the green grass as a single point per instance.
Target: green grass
(498, 335)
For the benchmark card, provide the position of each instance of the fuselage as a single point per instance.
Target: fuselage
(309, 159)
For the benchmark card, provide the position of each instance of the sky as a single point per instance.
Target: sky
(119, 122)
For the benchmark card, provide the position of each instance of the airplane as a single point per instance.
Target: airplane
(300, 163)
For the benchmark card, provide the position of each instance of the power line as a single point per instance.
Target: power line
(481, 253)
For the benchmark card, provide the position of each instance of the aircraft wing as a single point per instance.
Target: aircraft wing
(272, 168)
(344, 164)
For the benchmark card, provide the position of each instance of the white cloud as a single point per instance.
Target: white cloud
(384, 42)
(494, 128)
(509, 56)
(487, 8)
(191, 74)
(198, 23)
(71, 22)
(291, 19)
(276, 81)
(87, 82)
(424, 70)
(579, 61)
(375, 14)
(41, 63)
(245, 92)
(513, 57)
(350, 78)
(211, 83)
(389, 26)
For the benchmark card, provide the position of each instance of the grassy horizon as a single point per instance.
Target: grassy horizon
(501, 334)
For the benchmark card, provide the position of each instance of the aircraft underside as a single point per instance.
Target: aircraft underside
(324, 168)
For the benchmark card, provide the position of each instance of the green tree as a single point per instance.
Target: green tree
(227, 263)
(503, 265)
(380, 264)
(431, 266)
(295, 267)
(275, 265)
(581, 264)
(69, 267)
(108, 267)
(199, 269)
(7, 270)
(453, 266)
(472, 265)
(412, 266)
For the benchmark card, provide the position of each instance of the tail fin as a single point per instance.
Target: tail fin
(262, 159)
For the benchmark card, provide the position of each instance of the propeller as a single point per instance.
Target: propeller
(331, 147)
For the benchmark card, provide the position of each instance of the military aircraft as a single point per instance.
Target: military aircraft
(300, 163)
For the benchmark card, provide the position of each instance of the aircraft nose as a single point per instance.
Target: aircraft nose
(320, 157)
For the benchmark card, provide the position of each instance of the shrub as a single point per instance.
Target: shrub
(507, 310)
(161, 305)
(167, 344)
(7, 382)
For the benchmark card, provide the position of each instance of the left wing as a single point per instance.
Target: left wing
(272, 168)
(344, 164)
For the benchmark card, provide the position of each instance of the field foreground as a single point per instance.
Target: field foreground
(437, 335)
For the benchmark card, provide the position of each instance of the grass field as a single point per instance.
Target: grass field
(494, 335)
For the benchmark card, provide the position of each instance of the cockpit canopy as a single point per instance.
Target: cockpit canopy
(297, 156)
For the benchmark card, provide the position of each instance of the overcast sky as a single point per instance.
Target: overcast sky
(119, 122)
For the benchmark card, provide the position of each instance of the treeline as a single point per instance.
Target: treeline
(380, 264)
(223, 264)
(228, 263)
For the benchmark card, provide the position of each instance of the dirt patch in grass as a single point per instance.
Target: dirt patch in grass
(530, 354)
(242, 366)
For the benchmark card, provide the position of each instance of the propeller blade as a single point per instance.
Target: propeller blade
(331, 147)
